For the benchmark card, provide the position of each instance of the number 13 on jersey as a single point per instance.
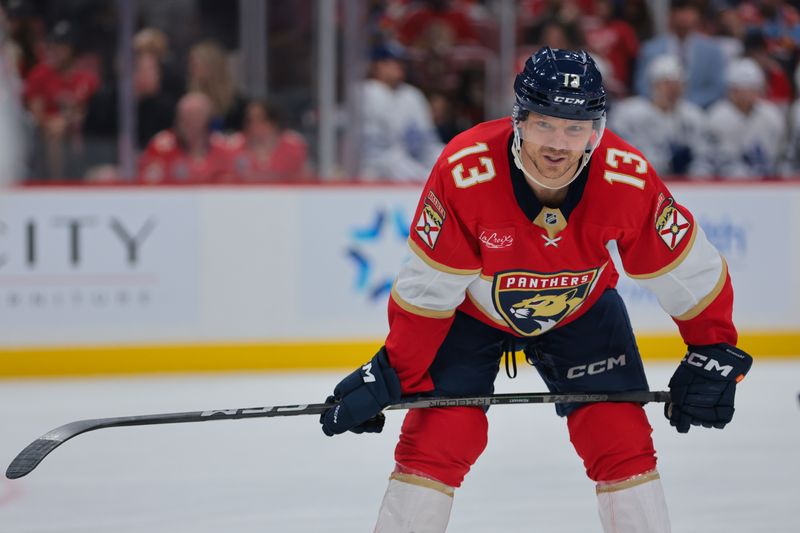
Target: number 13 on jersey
(477, 174)
(613, 157)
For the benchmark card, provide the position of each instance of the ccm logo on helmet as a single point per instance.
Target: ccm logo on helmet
(568, 100)
(707, 364)
(598, 367)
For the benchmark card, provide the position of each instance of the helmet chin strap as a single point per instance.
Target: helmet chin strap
(517, 150)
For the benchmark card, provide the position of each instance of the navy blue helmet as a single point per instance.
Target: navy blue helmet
(560, 83)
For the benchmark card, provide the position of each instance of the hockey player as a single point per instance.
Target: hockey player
(509, 251)
(666, 127)
(747, 131)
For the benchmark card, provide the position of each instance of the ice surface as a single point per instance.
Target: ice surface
(284, 475)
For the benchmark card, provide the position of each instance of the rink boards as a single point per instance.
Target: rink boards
(116, 279)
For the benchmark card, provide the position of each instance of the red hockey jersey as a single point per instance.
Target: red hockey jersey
(483, 244)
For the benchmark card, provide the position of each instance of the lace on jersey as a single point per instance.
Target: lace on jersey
(510, 356)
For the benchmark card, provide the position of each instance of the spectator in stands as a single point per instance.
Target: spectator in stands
(444, 116)
(56, 93)
(730, 31)
(637, 14)
(25, 31)
(778, 88)
(209, 73)
(436, 23)
(14, 125)
(155, 111)
(190, 152)
(701, 56)
(267, 152)
(612, 38)
(778, 21)
(668, 129)
(155, 106)
(399, 139)
(154, 42)
(746, 132)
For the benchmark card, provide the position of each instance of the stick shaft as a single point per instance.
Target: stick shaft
(32, 455)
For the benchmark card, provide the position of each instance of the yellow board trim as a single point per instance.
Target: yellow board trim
(294, 356)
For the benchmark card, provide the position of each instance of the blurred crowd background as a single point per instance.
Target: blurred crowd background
(302, 91)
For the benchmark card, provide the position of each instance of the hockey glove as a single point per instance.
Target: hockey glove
(361, 397)
(703, 387)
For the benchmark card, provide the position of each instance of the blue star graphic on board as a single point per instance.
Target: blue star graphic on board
(376, 252)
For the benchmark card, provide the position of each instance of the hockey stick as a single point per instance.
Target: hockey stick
(32, 455)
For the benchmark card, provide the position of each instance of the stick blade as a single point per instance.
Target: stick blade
(30, 457)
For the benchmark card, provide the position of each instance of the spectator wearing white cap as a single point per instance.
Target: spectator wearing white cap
(746, 132)
(667, 128)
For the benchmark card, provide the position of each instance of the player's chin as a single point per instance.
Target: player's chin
(554, 173)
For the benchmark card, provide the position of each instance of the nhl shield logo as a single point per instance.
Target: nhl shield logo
(671, 225)
(532, 303)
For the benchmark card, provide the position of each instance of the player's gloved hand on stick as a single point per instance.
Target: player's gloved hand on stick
(703, 387)
(361, 397)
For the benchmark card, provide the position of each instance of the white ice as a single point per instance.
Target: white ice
(284, 475)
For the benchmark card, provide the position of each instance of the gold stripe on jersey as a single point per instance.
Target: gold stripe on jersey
(674, 264)
(419, 252)
(710, 297)
(631, 482)
(683, 288)
(420, 311)
(423, 482)
(483, 310)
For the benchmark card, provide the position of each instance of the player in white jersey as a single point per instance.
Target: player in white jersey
(399, 140)
(667, 128)
(747, 133)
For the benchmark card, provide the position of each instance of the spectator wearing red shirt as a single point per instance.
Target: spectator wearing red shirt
(436, 21)
(778, 88)
(267, 152)
(613, 39)
(190, 152)
(56, 92)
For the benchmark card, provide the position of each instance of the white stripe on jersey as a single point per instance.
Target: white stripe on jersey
(480, 292)
(685, 290)
(428, 291)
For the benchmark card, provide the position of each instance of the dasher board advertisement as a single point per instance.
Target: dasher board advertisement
(79, 264)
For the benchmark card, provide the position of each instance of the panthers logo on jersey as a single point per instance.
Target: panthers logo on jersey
(532, 303)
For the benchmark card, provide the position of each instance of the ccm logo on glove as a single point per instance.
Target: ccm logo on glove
(368, 377)
(706, 363)
(360, 398)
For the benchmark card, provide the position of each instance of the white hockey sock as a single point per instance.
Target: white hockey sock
(414, 504)
(633, 505)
